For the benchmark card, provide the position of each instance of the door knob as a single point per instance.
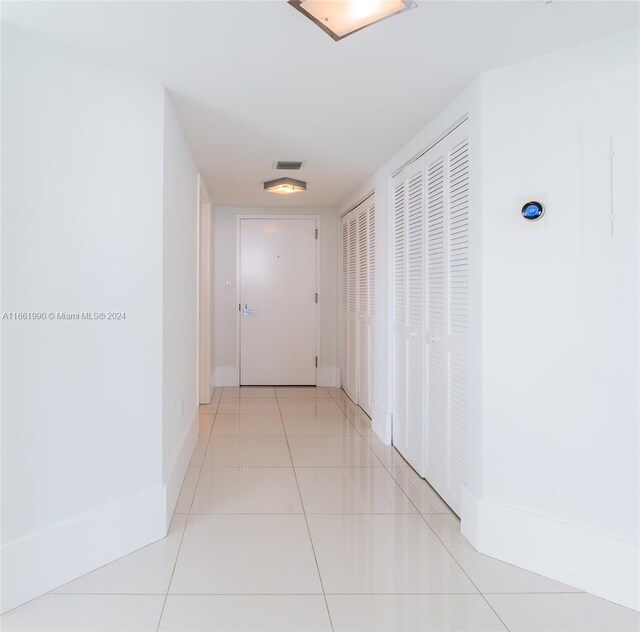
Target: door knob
(247, 311)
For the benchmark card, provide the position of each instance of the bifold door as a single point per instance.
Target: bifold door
(430, 313)
(358, 303)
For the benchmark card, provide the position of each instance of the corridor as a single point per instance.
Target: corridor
(294, 516)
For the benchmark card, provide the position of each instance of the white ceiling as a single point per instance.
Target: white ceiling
(254, 82)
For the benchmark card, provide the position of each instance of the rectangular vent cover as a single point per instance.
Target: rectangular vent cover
(292, 165)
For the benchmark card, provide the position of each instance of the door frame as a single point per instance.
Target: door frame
(203, 328)
(280, 216)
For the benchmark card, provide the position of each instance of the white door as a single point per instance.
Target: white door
(431, 314)
(278, 309)
(458, 266)
(399, 354)
(415, 448)
(366, 288)
(447, 168)
(350, 306)
(358, 285)
(436, 303)
(409, 306)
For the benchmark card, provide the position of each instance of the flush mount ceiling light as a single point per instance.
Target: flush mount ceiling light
(284, 186)
(339, 18)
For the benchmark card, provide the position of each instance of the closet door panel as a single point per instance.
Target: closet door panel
(431, 314)
(349, 305)
(364, 337)
(415, 448)
(458, 321)
(357, 307)
(350, 383)
(399, 359)
(366, 288)
(436, 303)
(371, 251)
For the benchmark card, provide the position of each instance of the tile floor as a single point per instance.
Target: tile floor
(294, 516)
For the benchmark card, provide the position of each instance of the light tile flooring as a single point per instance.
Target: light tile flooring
(294, 516)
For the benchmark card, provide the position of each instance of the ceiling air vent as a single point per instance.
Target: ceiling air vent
(291, 165)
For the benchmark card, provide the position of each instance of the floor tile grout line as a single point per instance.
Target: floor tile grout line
(431, 529)
(189, 514)
(446, 548)
(313, 548)
(343, 405)
(421, 517)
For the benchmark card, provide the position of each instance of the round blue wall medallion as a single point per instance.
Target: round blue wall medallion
(532, 211)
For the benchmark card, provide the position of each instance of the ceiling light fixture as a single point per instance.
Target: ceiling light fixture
(339, 18)
(285, 186)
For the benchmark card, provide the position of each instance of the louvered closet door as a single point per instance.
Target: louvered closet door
(447, 176)
(366, 280)
(431, 314)
(409, 430)
(415, 267)
(399, 355)
(350, 299)
(436, 355)
(457, 318)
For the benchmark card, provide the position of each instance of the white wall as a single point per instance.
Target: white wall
(226, 305)
(98, 215)
(560, 327)
(179, 299)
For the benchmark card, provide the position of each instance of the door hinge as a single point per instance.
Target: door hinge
(316, 233)
(316, 297)
(239, 307)
(316, 362)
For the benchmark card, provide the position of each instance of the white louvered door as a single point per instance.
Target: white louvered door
(457, 319)
(431, 314)
(447, 166)
(366, 283)
(435, 382)
(399, 354)
(414, 332)
(350, 305)
(358, 283)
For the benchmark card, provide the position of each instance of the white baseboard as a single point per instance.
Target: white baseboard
(381, 423)
(42, 561)
(594, 562)
(206, 397)
(328, 376)
(226, 376)
(47, 559)
(180, 465)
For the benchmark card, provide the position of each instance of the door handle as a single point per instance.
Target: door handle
(247, 311)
